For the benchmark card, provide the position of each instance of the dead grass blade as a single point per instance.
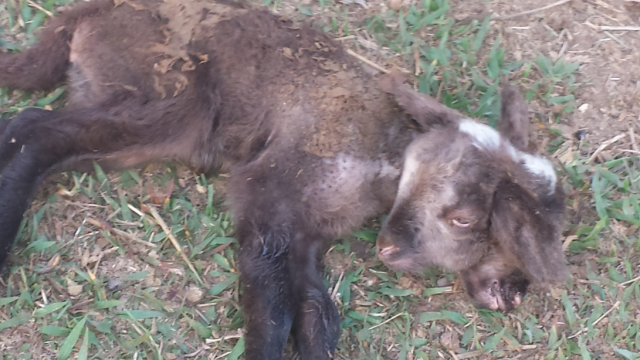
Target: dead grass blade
(175, 243)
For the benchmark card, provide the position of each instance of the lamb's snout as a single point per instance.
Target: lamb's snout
(393, 253)
(385, 252)
(387, 248)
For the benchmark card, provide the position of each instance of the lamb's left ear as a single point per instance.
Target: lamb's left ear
(514, 122)
(426, 110)
(529, 228)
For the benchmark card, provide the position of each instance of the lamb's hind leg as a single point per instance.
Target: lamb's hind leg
(36, 141)
(43, 65)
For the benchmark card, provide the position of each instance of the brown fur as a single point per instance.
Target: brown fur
(314, 147)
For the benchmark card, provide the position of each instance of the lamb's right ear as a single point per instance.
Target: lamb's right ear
(423, 108)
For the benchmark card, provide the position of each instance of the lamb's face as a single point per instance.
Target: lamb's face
(445, 204)
(472, 199)
(441, 212)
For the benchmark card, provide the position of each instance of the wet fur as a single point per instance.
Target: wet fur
(313, 144)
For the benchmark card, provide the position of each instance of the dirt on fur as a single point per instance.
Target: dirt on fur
(606, 105)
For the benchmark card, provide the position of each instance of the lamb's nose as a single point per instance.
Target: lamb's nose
(386, 251)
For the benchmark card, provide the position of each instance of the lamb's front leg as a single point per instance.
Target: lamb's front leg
(266, 298)
(316, 327)
(280, 264)
(283, 291)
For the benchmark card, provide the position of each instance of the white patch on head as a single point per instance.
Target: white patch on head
(540, 166)
(409, 170)
(485, 137)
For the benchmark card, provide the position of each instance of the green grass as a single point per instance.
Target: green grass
(95, 276)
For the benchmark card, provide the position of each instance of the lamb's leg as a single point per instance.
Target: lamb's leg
(282, 288)
(316, 327)
(266, 297)
(280, 263)
(43, 65)
(17, 184)
(37, 140)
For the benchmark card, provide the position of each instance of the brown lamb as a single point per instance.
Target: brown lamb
(314, 146)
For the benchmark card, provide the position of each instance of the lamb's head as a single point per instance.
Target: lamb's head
(475, 200)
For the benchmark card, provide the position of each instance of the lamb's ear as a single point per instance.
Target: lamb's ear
(514, 123)
(423, 108)
(529, 229)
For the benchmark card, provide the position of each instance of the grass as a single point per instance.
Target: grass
(95, 275)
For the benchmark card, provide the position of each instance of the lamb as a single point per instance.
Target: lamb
(314, 146)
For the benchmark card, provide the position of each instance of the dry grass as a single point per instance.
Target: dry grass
(96, 275)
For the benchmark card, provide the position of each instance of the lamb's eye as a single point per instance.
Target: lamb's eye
(460, 222)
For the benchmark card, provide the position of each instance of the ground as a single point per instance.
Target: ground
(95, 274)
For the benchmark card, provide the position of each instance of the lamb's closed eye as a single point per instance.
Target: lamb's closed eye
(461, 222)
